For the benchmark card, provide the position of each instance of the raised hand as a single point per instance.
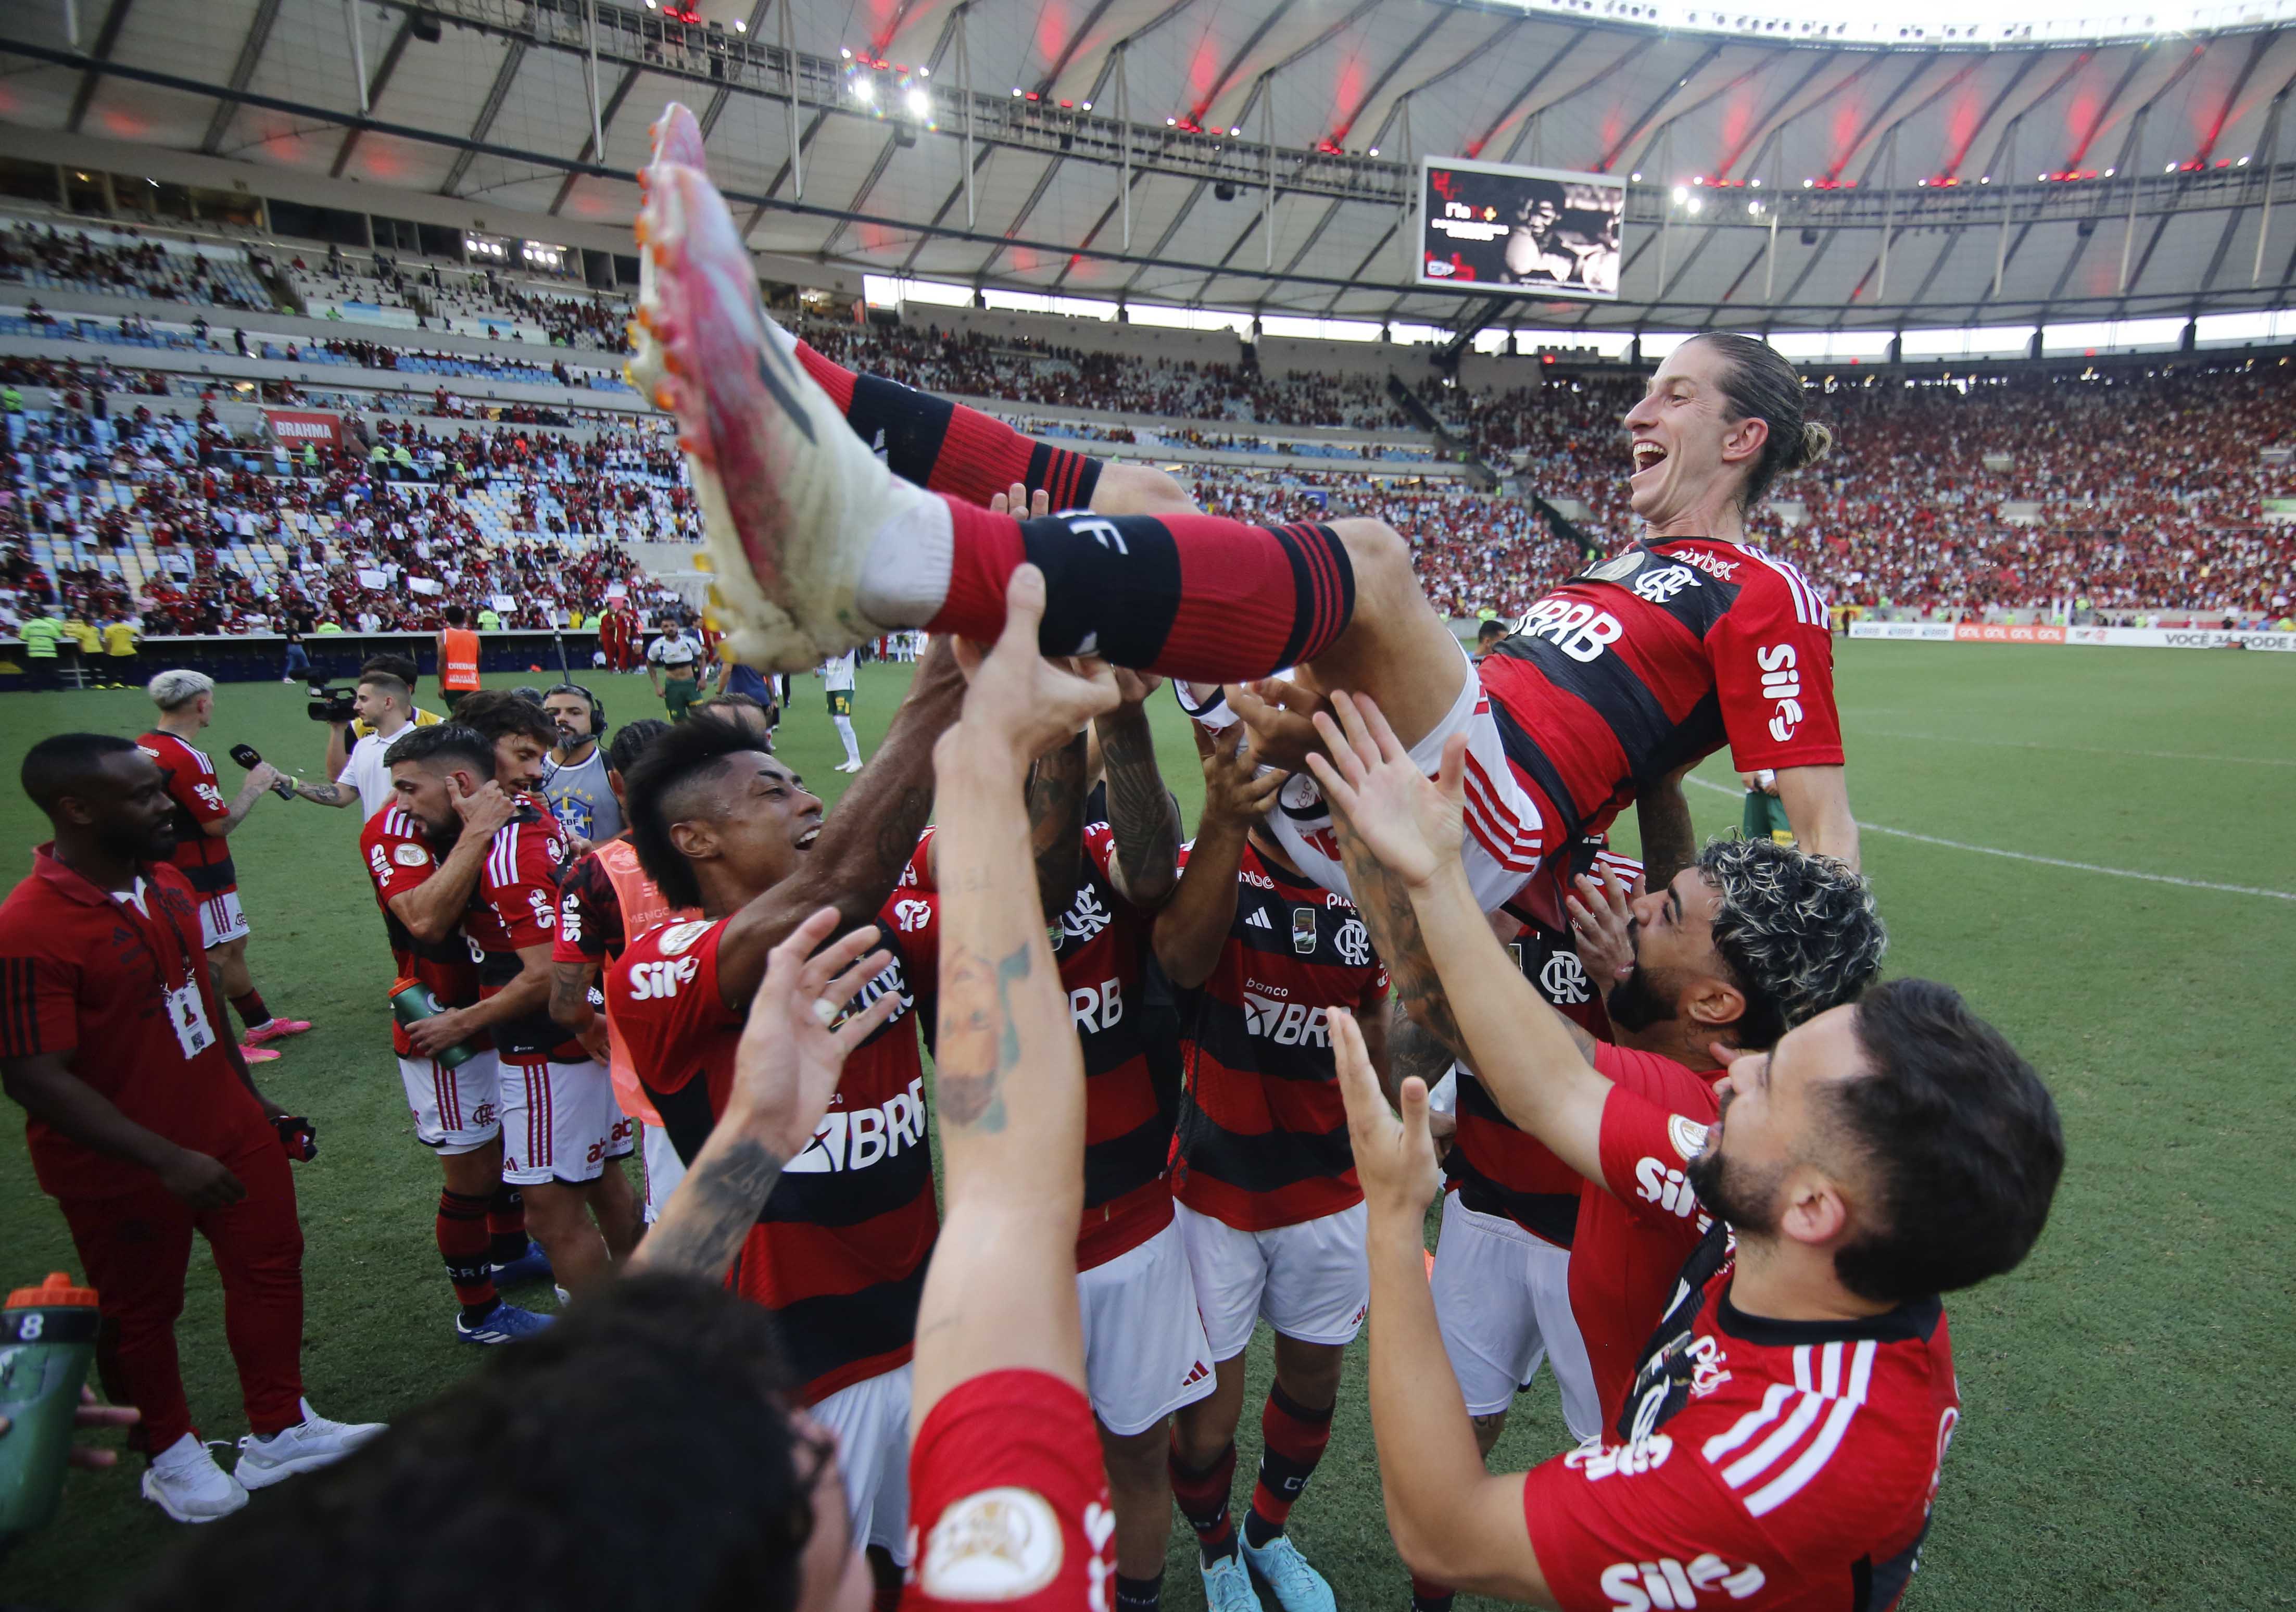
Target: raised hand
(1020, 704)
(1235, 789)
(1602, 925)
(1280, 713)
(799, 1032)
(484, 808)
(1018, 503)
(1394, 1158)
(1411, 824)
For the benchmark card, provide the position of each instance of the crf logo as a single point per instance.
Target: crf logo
(1668, 1585)
(1576, 628)
(1655, 1183)
(1087, 918)
(659, 981)
(1782, 683)
(1595, 1462)
(1353, 943)
(910, 916)
(854, 1138)
(483, 1114)
(1563, 978)
(1660, 585)
(1097, 1007)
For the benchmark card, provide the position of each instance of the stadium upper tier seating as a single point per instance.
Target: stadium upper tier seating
(2121, 492)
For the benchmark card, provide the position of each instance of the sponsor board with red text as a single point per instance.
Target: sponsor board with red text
(2124, 637)
(301, 425)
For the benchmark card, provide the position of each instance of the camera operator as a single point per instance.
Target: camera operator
(385, 707)
(349, 723)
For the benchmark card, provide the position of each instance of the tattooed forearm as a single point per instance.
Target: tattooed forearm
(570, 995)
(712, 1209)
(1055, 802)
(1412, 1050)
(1141, 811)
(325, 794)
(980, 1043)
(1669, 840)
(1387, 912)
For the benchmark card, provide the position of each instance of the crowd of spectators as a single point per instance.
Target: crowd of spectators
(42, 255)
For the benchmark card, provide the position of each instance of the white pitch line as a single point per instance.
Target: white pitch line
(2027, 856)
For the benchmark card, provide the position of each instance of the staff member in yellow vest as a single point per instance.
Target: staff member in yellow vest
(458, 658)
(42, 631)
(120, 638)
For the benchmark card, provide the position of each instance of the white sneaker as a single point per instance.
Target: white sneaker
(313, 1442)
(852, 766)
(791, 500)
(184, 1482)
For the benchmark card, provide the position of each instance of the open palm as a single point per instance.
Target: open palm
(1412, 824)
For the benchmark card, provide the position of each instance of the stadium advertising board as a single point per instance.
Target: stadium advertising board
(1540, 231)
(2124, 637)
(295, 426)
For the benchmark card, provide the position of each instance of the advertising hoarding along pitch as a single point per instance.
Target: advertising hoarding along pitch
(1539, 231)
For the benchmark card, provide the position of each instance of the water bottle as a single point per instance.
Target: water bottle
(47, 1337)
(413, 1002)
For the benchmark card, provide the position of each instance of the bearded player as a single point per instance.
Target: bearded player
(1688, 639)
(838, 1250)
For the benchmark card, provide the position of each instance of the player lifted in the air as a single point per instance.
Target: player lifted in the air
(1688, 639)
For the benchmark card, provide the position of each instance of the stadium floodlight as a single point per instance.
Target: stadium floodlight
(1681, 194)
(1694, 207)
(741, 25)
(1635, 178)
(920, 103)
(864, 91)
(1374, 150)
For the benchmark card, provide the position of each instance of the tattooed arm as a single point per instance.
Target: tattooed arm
(1411, 1050)
(1141, 813)
(1670, 842)
(1193, 926)
(784, 1074)
(865, 844)
(1009, 1086)
(326, 794)
(1055, 802)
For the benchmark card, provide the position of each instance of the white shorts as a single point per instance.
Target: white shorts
(1310, 1281)
(220, 920)
(871, 1420)
(1503, 1302)
(453, 1109)
(1144, 1351)
(663, 1170)
(1506, 834)
(559, 1121)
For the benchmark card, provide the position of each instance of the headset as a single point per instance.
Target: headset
(597, 709)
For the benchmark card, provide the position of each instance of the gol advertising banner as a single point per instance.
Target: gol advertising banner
(298, 426)
(1998, 632)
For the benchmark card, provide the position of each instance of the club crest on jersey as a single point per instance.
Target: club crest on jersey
(1353, 943)
(409, 855)
(1303, 930)
(999, 1544)
(1563, 978)
(677, 937)
(1660, 586)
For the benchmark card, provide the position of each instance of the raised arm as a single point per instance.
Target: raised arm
(1194, 924)
(866, 840)
(1055, 800)
(1001, 1291)
(1142, 814)
(1669, 840)
(431, 909)
(1452, 1520)
(1536, 1064)
(259, 779)
(1817, 799)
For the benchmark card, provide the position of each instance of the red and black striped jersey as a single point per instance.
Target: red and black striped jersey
(204, 858)
(1131, 1076)
(1496, 1167)
(399, 859)
(1654, 658)
(516, 905)
(1263, 1137)
(839, 1249)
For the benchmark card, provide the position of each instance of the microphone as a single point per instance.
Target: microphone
(244, 754)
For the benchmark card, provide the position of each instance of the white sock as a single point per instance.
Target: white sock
(904, 581)
(845, 732)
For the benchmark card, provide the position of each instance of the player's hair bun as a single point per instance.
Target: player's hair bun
(1816, 442)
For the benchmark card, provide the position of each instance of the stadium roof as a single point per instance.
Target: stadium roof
(2048, 162)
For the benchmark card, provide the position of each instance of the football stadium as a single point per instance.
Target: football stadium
(1644, 658)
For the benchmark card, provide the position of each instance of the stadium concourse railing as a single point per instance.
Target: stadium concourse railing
(257, 657)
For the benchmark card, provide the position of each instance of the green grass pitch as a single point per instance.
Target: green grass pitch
(2128, 1430)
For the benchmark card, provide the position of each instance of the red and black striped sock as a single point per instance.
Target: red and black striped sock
(1291, 1441)
(506, 1225)
(1428, 1596)
(1196, 597)
(946, 447)
(464, 1245)
(250, 1009)
(1202, 1497)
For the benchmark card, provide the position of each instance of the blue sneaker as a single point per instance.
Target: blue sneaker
(1227, 1587)
(506, 1324)
(1298, 1587)
(532, 1266)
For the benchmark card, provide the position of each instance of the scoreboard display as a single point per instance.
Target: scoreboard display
(1539, 231)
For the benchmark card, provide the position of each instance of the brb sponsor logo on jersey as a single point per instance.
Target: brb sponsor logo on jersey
(1286, 1024)
(1667, 1584)
(854, 1138)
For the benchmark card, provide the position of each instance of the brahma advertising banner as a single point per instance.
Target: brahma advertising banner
(297, 426)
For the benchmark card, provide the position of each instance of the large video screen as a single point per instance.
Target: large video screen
(1536, 230)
